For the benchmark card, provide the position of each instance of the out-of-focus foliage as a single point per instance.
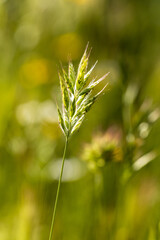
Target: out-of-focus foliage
(119, 139)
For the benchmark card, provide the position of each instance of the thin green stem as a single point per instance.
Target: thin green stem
(57, 194)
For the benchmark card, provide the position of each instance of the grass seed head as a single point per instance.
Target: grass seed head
(76, 95)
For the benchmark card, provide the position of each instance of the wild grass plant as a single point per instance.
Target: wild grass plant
(77, 100)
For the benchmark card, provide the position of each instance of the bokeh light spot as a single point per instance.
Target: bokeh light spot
(35, 72)
(68, 46)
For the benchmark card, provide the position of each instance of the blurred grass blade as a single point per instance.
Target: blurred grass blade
(144, 160)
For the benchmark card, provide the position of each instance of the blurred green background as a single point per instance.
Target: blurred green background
(111, 184)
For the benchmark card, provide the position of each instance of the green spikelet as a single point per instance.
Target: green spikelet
(61, 121)
(68, 82)
(73, 108)
(72, 75)
(64, 91)
(77, 124)
(95, 83)
(85, 91)
(87, 75)
(82, 71)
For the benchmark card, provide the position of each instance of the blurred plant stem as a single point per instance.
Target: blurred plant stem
(58, 189)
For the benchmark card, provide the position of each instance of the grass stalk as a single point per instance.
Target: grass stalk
(77, 99)
(58, 189)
